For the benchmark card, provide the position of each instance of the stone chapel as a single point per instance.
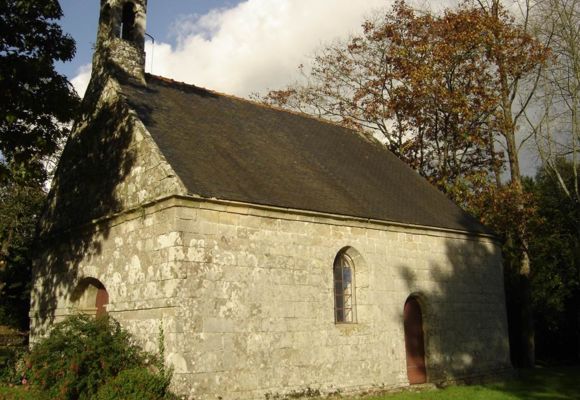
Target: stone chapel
(280, 254)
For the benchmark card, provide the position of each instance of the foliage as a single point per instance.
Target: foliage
(10, 359)
(36, 101)
(505, 209)
(136, 384)
(81, 354)
(555, 256)
(20, 207)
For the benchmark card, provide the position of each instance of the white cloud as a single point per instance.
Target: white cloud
(81, 80)
(255, 45)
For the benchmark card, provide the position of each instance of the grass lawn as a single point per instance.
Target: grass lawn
(18, 393)
(561, 383)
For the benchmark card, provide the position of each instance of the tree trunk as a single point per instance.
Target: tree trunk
(527, 321)
(527, 335)
(495, 165)
(526, 314)
(4, 247)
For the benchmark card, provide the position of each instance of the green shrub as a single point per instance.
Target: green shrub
(10, 373)
(13, 345)
(79, 355)
(136, 384)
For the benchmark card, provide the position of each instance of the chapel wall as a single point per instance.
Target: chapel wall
(257, 304)
(245, 298)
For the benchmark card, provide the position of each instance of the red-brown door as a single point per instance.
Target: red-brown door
(414, 342)
(102, 301)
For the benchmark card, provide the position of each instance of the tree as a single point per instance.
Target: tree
(425, 85)
(557, 131)
(36, 106)
(416, 81)
(20, 206)
(509, 210)
(37, 103)
(441, 91)
(555, 257)
(557, 134)
(517, 79)
(516, 58)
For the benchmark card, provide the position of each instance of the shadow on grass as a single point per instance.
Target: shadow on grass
(533, 384)
(540, 384)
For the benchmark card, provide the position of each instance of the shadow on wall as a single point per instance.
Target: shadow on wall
(463, 307)
(96, 159)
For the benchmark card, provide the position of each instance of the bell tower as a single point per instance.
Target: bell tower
(120, 47)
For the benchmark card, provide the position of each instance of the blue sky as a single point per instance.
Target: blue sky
(81, 18)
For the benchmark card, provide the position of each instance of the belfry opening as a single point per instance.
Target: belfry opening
(128, 22)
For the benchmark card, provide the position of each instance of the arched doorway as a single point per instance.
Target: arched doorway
(91, 297)
(414, 341)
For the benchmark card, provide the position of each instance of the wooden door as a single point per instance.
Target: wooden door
(102, 301)
(414, 342)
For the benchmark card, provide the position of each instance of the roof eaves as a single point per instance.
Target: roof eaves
(323, 214)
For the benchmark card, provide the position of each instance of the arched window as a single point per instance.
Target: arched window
(128, 22)
(344, 289)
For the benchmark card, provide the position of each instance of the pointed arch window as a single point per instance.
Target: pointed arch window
(344, 289)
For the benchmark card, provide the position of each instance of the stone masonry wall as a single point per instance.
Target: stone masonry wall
(245, 298)
(135, 261)
(256, 308)
(109, 164)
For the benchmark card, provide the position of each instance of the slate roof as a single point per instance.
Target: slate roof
(233, 149)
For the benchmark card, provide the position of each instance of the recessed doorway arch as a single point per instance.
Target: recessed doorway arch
(414, 341)
(90, 297)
